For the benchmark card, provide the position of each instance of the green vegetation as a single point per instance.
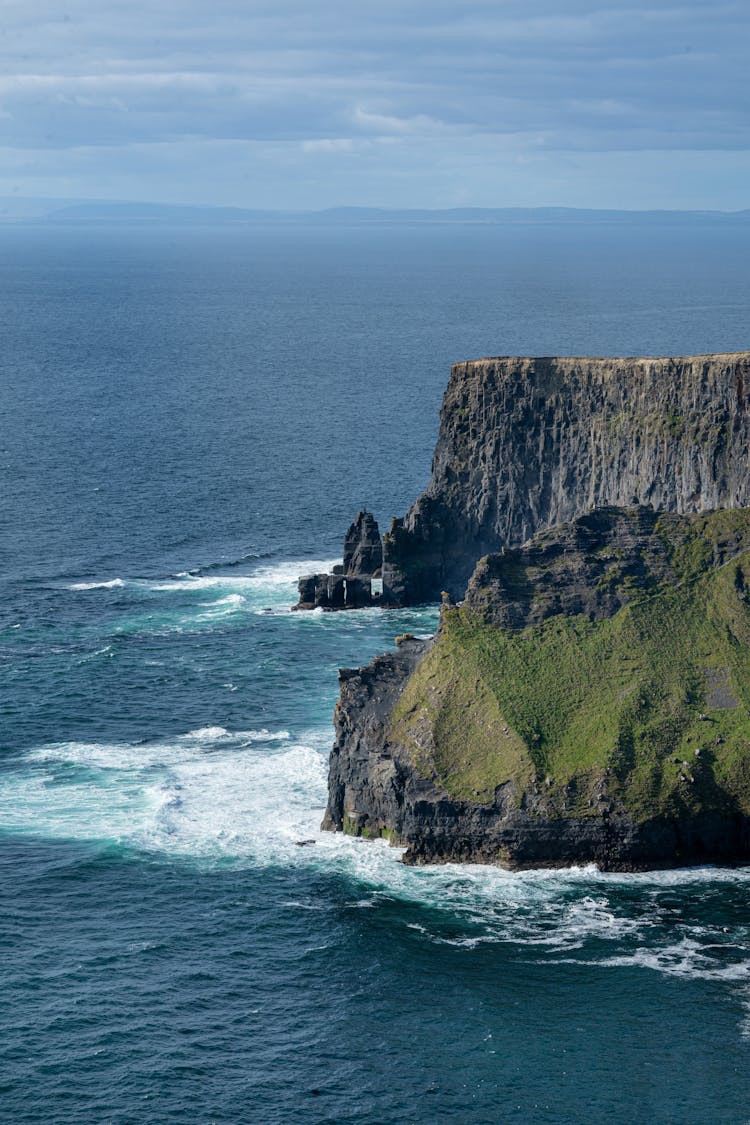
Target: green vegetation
(352, 826)
(654, 424)
(450, 719)
(649, 706)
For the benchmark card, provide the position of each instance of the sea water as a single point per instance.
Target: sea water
(191, 417)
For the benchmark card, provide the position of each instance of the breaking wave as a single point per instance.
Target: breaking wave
(196, 602)
(256, 798)
(112, 584)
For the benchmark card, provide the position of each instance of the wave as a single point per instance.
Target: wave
(214, 734)
(106, 650)
(272, 576)
(191, 602)
(214, 796)
(687, 958)
(112, 584)
(149, 754)
(229, 564)
(251, 797)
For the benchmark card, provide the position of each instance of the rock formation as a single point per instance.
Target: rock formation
(587, 703)
(529, 443)
(357, 582)
(363, 549)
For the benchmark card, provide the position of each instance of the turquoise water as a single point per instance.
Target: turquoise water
(190, 420)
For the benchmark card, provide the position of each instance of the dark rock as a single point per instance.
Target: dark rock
(374, 790)
(592, 566)
(357, 582)
(529, 443)
(334, 591)
(363, 549)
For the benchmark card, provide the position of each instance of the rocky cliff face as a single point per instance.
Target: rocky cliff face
(530, 443)
(588, 703)
(363, 549)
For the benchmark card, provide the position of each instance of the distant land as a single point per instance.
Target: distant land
(28, 210)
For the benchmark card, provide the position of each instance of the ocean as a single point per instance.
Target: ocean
(191, 418)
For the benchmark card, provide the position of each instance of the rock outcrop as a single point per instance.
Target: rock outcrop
(357, 582)
(530, 443)
(588, 703)
(597, 564)
(363, 548)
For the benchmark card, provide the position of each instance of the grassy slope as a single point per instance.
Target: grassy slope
(605, 704)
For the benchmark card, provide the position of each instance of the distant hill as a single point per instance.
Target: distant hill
(20, 210)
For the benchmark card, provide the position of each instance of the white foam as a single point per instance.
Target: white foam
(222, 607)
(112, 584)
(213, 734)
(251, 796)
(147, 755)
(106, 650)
(203, 733)
(230, 599)
(686, 958)
(283, 574)
(224, 600)
(253, 806)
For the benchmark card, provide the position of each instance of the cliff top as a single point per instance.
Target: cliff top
(611, 363)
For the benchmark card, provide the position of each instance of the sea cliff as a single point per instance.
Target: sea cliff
(587, 702)
(587, 696)
(528, 443)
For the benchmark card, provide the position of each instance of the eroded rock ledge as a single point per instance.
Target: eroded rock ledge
(358, 581)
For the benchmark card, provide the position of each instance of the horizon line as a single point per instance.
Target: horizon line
(17, 207)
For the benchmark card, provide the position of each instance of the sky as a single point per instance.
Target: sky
(416, 103)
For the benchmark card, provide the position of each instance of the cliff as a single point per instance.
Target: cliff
(527, 443)
(588, 702)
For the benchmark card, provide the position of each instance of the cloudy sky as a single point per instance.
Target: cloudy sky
(416, 103)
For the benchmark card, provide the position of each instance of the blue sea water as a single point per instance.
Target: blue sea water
(190, 419)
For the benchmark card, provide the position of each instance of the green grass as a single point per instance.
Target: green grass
(571, 705)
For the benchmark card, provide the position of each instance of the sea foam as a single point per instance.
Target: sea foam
(215, 796)
(250, 797)
(112, 584)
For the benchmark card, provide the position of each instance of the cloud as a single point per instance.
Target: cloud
(426, 77)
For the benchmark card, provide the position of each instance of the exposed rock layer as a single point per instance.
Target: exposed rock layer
(529, 443)
(597, 564)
